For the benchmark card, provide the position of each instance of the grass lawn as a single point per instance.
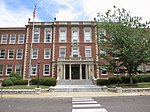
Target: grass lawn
(25, 87)
(138, 85)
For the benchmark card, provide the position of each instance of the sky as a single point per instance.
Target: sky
(15, 13)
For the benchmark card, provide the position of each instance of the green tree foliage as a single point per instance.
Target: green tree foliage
(127, 44)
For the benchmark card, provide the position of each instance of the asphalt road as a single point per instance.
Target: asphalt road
(111, 104)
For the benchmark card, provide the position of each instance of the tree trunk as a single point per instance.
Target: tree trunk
(131, 80)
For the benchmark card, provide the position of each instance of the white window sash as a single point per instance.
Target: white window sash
(47, 50)
(46, 72)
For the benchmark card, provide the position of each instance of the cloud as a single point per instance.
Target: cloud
(14, 18)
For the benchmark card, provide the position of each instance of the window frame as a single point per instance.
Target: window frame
(47, 56)
(1, 70)
(74, 52)
(2, 55)
(87, 37)
(35, 56)
(17, 54)
(36, 36)
(61, 36)
(9, 67)
(12, 39)
(45, 35)
(73, 37)
(2, 39)
(20, 68)
(34, 67)
(10, 55)
(60, 52)
(86, 53)
(21, 38)
(44, 70)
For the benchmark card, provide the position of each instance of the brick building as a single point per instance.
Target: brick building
(63, 49)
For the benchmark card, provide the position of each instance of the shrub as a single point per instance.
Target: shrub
(7, 82)
(114, 80)
(34, 81)
(17, 75)
(13, 79)
(143, 78)
(126, 79)
(21, 82)
(48, 81)
(102, 82)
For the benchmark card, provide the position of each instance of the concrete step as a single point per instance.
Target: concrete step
(77, 88)
(75, 82)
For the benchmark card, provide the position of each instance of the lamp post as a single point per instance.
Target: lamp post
(117, 71)
(38, 70)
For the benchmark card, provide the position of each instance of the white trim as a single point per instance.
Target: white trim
(12, 36)
(10, 68)
(61, 37)
(62, 47)
(36, 56)
(10, 55)
(1, 74)
(18, 55)
(76, 36)
(35, 67)
(86, 40)
(44, 70)
(4, 54)
(2, 41)
(88, 48)
(45, 56)
(20, 37)
(36, 31)
(45, 32)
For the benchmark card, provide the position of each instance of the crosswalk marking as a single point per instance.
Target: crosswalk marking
(90, 110)
(86, 104)
(80, 102)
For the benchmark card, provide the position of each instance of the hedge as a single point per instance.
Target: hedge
(102, 82)
(21, 82)
(114, 80)
(143, 78)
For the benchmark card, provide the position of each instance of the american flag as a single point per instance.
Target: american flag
(34, 11)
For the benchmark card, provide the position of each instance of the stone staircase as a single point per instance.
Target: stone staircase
(76, 86)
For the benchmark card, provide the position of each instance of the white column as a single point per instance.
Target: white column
(70, 72)
(80, 71)
(64, 71)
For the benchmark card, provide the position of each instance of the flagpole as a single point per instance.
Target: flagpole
(30, 61)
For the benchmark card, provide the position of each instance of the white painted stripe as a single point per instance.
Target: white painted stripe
(87, 105)
(90, 110)
(81, 98)
(85, 102)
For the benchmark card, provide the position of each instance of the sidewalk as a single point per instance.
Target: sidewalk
(73, 94)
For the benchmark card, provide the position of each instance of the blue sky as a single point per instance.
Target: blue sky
(16, 12)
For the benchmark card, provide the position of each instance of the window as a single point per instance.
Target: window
(9, 69)
(21, 39)
(4, 39)
(62, 35)
(2, 53)
(102, 53)
(75, 35)
(48, 36)
(62, 52)
(19, 53)
(34, 53)
(33, 70)
(1, 70)
(46, 70)
(18, 69)
(87, 35)
(47, 53)
(12, 39)
(36, 36)
(88, 52)
(75, 52)
(148, 68)
(11, 54)
(103, 71)
(102, 34)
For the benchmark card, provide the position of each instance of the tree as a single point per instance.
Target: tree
(127, 44)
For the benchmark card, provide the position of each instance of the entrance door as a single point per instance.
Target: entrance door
(75, 69)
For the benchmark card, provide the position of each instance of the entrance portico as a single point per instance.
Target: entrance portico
(72, 71)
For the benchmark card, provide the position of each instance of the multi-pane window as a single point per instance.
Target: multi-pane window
(33, 70)
(88, 52)
(87, 35)
(21, 39)
(18, 69)
(11, 54)
(62, 52)
(4, 39)
(103, 71)
(35, 53)
(9, 69)
(75, 35)
(102, 34)
(19, 54)
(46, 70)
(48, 36)
(1, 70)
(62, 35)
(102, 53)
(47, 53)
(2, 53)
(75, 52)
(12, 39)
(148, 68)
(140, 69)
(36, 36)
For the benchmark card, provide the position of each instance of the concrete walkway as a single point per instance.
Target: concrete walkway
(73, 94)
